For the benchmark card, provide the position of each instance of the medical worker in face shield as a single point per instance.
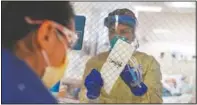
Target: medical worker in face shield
(36, 38)
(133, 86)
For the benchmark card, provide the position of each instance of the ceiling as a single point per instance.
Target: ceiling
(166, 6)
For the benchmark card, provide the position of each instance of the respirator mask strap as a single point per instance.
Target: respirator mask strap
(46, 58)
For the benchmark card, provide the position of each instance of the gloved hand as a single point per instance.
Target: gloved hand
(133, 79)
(93, 84)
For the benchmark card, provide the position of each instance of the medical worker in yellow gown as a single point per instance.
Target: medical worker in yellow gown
(141, 86)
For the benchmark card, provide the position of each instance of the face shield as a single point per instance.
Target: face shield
(122, 19)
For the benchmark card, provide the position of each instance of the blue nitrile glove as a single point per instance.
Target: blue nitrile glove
(93, 83)
(134, 80)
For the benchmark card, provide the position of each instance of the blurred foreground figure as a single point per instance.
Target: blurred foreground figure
(36, 37)
(141, 86)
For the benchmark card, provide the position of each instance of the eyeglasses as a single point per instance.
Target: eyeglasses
(71, 37)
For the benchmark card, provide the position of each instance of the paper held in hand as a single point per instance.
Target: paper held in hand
(115, 63)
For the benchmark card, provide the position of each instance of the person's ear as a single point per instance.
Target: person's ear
(46, 35)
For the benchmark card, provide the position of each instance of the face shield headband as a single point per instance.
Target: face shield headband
(120, 19)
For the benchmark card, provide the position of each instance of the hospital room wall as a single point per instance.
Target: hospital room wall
(170, 33)
(167, 26)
